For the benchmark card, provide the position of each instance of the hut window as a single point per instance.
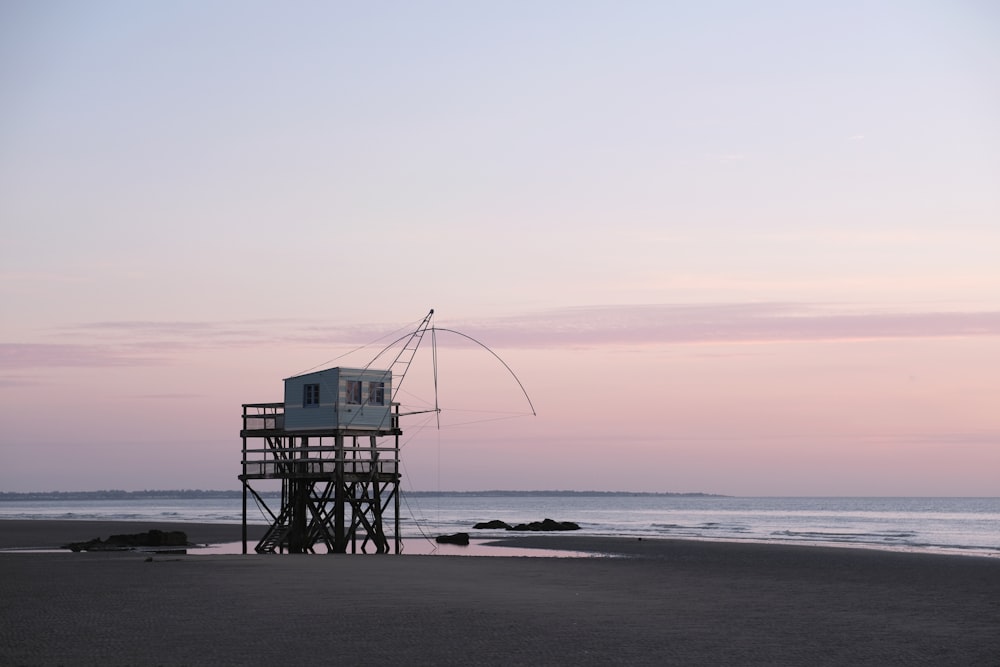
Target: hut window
(376, 393)
(310, 395)
(353, 393)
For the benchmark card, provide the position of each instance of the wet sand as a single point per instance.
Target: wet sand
(658, 602)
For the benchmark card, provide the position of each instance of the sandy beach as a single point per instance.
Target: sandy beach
(657, 602)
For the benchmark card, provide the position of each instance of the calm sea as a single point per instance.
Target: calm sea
(951, 525)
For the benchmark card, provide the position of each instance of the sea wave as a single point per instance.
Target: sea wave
(933, 524)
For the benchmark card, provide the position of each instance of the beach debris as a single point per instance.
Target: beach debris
(457, 538)
(173, 540)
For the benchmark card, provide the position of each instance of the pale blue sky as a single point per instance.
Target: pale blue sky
(291, 179)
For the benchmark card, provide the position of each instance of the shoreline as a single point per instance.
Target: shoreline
(683, 602)
(52, 534)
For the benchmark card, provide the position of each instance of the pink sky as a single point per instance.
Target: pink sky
(760, 401)
(734, 249)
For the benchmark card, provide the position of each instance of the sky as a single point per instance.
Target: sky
(747, 248)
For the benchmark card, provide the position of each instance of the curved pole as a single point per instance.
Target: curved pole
(509, 370)
(434, 344)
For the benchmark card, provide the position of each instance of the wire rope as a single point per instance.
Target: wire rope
(359, 348)
(409, 509)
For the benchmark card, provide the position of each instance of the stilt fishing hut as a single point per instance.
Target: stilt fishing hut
(333, 444)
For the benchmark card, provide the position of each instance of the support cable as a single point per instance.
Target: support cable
(359, 348)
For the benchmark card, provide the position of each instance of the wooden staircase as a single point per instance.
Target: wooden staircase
(273, 538)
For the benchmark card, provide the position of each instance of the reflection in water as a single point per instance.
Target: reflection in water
(418, 547)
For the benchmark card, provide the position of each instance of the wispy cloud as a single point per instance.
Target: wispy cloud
(150, 343)
(690, 324)
(176, 336)
(19, 281)
(888, 236)
(18, 381)
(41, 355)
(169, 397)
(718, 323)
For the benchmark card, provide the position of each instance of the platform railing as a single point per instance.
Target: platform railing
(320, 467)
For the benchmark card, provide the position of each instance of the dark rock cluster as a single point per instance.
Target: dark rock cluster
(154, 538)
(537, 526)
(457, 538)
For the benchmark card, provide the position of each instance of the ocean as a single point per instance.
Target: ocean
(940, 525)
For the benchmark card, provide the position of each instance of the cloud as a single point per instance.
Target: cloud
(169, 397)
(40, 355)
(721, 323)
(21, 281)
(150, 343)
(18, 381)
(174, 335)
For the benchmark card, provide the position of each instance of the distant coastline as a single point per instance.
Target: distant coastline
(553, 493)
(189, 494)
